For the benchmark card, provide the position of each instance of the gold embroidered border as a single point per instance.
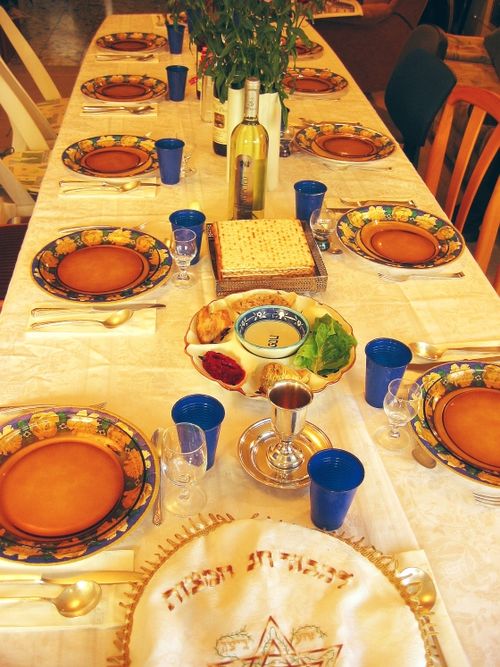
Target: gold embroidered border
(205, 525)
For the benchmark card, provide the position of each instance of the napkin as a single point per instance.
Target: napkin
(93, 189)
(122, 112)
(24, 613)
(141, 323)
(448, 638)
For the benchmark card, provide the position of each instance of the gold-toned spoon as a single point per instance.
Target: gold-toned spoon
(114, 320)
(422, 590)
(141, 108)
(435, 352)
(156, 440)
(74, 600)
(117, 187)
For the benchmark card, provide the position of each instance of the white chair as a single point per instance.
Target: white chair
(16, 200)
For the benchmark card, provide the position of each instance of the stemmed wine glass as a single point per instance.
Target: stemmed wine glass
(322, 221)
(184, 455)
(183, 249)
(400, 405)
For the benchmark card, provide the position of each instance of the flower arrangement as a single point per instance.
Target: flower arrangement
(248, 38)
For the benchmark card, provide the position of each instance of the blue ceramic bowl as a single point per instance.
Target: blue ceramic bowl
(272, 332)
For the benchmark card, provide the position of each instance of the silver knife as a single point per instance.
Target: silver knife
(99, 576)
(95, 309)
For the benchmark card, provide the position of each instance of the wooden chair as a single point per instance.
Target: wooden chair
(466, 177)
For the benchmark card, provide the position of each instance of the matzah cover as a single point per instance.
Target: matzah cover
(259, 592)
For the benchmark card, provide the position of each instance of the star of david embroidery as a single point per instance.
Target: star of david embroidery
(276, 650)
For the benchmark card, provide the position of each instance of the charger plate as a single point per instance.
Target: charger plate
(131, 41)
(112, 156)
(314, 81)
(344, 142)
(106, 264)
(51, 462)
(124, 88)
(450, 423)
(399, 236)
(262, 592)
(235, 304)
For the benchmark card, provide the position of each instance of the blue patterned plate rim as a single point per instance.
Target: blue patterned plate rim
(29, 426)
(155, 252)
(481, 374)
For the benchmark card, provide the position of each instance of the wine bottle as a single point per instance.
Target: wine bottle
(247, 171)
(219, 138)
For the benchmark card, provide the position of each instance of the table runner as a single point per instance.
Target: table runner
(142, 377)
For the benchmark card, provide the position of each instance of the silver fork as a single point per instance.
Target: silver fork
(400, 278)
(146, 56)
(138, 110)
(5, 409)
(485, 499)
(369, 202)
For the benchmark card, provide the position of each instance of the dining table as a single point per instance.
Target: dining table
(420, 516)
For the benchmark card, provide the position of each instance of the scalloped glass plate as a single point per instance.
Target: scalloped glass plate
(94, 265)
(314, 81)
(344, 142)
(253, 365)
(399, 236)
(112, 156)
(130, 42)
(124, 88)
(46, 432)
(458, 454)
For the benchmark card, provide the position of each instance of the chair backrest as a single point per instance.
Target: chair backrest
(417, 89)
(20, 202)
(466, 176)
(30, 60)
(429, 37)
(31, 130)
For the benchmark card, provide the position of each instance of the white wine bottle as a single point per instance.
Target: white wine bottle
(247, 171)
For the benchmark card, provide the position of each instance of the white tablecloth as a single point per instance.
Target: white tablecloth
(401, 506)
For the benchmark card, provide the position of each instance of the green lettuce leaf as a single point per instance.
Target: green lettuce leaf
(326, 348)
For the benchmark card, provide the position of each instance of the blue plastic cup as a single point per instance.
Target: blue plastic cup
(169, 158)
(195, 220)
(335, 475)
(386, 360)
(309, 196)
(176, 77)
(206, 412)
(175, 34)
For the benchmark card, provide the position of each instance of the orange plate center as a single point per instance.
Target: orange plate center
(122, 91)
(308, 84)
(399, 241)
(130, 45)
(102, 269)
(346, 146)
(114, 160)
(60, 486)
(468, 420)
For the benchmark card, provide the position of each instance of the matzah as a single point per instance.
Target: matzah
(266, 247)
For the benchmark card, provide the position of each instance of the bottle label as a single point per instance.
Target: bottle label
(244, 186)
(220, 130)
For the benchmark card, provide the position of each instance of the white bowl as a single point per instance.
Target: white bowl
(272, 332)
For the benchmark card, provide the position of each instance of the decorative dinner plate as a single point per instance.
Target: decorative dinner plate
(214, 324)
(399, 236)
(314, 81)
(112, 156)
(344, 142)
(124, 88)
(131, 41)
(72, 482)
(458, 420)
(106, 264)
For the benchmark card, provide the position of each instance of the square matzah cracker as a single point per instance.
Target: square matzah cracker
(262, 248)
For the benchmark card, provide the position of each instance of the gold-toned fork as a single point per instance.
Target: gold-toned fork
(144, 56)
(139, 109)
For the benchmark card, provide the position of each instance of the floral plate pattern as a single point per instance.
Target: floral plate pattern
(449, 241)
(156, 255)
(75, 154)
(252, 364)
(123, 440)
(151, 88)
(444, 379)
(314, 139)
(314, 81)
(131, 41)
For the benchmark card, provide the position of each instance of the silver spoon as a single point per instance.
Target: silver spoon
(374, 202)
(114, 320)
(434, 352)
(158, 506)
(117, 187)
(145, 56)
(74, 600)
(401, 278)
(142, 108)
(422, 590)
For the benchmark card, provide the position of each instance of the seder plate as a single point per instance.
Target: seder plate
(255, 442)
(314, 81)
(344, 142)
(124, 88)
(131, 41)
